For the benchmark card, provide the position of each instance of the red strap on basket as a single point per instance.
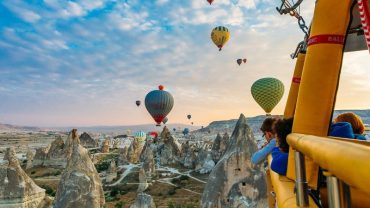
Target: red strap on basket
(363, 8)
(296, 80)
(327, 38)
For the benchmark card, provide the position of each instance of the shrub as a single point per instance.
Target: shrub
(114, 192)
(48, 190)
(119, 205)
(171, 192)
(184, 177)
(33, 172)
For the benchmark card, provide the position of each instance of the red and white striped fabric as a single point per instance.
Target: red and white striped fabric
(363, 8)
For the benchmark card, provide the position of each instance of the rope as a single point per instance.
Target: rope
(363, 8)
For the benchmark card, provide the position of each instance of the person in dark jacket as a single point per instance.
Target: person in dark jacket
(356, 123)
(279, 154)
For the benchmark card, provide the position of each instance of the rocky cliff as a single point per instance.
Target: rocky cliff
(234, 182)
(80, 185)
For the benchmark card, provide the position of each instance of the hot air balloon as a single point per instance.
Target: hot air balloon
(140, 136)
(174, 129)
(267, 92)
(185, 131)
(192, 123)
(235, 2)
(153, 134)
(159, 103)
(165, 120)
(188, 116)
(138, 102)
(239, 61)
(220, 35)
(210, 1)
(245, 60)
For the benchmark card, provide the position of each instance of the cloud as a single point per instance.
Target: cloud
(87, 62)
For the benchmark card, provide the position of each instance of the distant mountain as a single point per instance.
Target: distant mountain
(12, 128)
(124, 129)
(215, 126)
(255, 122)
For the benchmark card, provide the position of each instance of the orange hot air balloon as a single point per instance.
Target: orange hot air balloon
(245, 60)
(161, 87)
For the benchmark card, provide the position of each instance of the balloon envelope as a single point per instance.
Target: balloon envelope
(140, 136)
(185, 131)
(245, 60)
(239, 61)
(188, 116)
(138, 102)
(267, 92)
(159, 104)
(220, 35)
(210, 1)
(165, 120)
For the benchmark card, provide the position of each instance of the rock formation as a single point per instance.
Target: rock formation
(148, 162)
(204, 163)
(219, 146)
(80, 185)
(56, 156)
(122, 158)
(143, 201)
(143, 183)
(29, 157)
(134, 151)
(170, 153)
(87, 141)
(111, 172)
(105, 146)
(188, 156)
(116, 143)
(40, 155)
(16, 188)
(233, 182)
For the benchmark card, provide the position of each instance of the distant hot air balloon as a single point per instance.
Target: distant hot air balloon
(235, 2)
(245, 60)
(174, 129)
(210, 1)
(239, 61)
(192, 123)
(165, 120)
(138, 102)
(267, 92)
(185, 131)
(188, 116)
(220, 35)
(153, 134)
(159, 103)
(140, 136)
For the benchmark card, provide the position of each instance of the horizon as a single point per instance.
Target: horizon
(162, 125)
(76, 63)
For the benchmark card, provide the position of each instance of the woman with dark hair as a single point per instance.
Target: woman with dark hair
(279, 163)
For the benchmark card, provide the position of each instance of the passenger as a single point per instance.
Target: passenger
(279, 163)
(342, 129)
(269, 134)
(358, 126)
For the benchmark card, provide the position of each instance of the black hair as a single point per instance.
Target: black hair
(267, 124)
(282, 128)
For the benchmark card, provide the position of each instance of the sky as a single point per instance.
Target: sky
(86, 62)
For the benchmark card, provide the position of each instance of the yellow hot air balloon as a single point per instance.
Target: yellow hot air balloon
(220, 35)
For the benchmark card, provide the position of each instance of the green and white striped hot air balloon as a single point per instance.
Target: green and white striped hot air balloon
(267, 92)
(140, 136)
